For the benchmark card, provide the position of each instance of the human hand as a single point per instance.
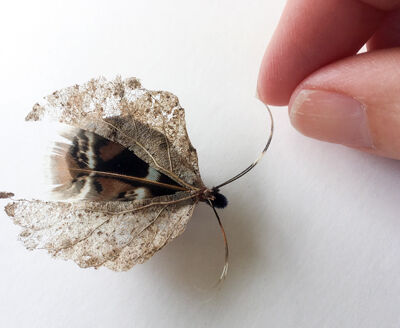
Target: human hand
(351, 100)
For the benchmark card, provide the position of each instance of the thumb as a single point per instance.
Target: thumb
(354, 102)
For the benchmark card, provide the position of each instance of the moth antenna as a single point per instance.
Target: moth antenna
(226, 262)
(259, 157)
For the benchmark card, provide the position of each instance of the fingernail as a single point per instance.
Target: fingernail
(331, 117)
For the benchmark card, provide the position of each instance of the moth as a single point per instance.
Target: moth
(124, 176)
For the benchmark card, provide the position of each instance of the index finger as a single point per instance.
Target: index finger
(312, 34)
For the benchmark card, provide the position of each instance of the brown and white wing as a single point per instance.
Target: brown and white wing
(86, 166)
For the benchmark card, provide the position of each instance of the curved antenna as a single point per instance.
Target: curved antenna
(226, 263)
(259, 157)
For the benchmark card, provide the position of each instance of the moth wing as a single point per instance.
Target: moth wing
(86, 166)
(116, 234)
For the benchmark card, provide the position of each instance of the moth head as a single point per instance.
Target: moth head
(218, 200)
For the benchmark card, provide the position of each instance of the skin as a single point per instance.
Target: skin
(333, 94)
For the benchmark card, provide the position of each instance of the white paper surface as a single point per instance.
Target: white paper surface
(314, 230)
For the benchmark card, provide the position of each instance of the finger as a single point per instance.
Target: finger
(387, 5)
(355, 102)
(388, 34)
(310, 35)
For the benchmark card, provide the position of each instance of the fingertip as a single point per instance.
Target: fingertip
(270, 88)
(309, 36)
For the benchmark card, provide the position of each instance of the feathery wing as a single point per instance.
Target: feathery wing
(112, 233)
(88, 166)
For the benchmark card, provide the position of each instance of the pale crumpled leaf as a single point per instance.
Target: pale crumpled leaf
(92, 236)
(115, 234)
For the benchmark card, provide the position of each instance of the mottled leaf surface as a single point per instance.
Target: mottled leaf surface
(115, 234)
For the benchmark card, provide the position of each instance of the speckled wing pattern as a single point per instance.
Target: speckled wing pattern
(112, 233)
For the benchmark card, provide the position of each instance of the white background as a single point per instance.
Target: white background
(314, 230)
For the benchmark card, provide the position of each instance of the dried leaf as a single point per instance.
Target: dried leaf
(116, 234)
(6, 194)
